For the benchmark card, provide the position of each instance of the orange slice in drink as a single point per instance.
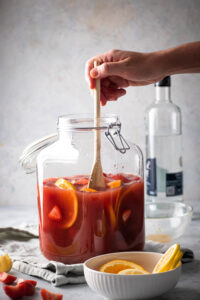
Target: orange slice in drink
(100, 226)
(114, 184)
(67, 202)
(64, 184)
(117, 265)
(111, 216)
(119, 200)
(88, 190)
(166, 262)
(133, 272)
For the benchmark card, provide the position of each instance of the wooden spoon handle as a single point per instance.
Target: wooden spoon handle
(97, 114)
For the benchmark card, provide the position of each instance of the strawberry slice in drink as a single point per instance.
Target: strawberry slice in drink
(55, 214)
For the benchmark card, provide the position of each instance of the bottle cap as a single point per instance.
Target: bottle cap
(166, 81)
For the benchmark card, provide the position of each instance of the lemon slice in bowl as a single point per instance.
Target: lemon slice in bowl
(133, 272)
(166, 262)
(116, 265)
(177, 260)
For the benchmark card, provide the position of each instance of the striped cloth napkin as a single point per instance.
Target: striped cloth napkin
(22, 245)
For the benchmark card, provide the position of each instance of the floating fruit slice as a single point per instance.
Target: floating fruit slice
(69, 208)
(117, 265)
(64, 184)
(5, 263)
(85, 189)
(111, 216)
(166, 261)
(82, 181)
(67, 203)
(100, 226)
(114, 184)
(55, 214)
(133, 272)
(120, 200)
(126, 215)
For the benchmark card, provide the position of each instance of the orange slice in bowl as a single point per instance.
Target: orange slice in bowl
(133, 272)
(166, 261)
(64, 184)
(114, 184)
(117, 265)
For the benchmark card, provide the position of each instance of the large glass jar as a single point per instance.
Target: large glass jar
(76, 223)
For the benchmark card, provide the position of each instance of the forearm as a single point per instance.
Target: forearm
(180, 60)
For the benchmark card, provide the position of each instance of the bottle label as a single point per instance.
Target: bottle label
(174, 184)
(151, 183)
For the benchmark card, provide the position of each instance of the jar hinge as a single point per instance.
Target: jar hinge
(112, 138)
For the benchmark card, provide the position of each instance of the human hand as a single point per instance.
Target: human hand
(120, 69)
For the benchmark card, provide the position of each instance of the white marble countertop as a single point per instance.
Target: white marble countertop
(187, 288)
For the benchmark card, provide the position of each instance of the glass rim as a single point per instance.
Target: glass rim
(85, 121)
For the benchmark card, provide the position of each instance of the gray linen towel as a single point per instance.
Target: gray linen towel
(22, 244)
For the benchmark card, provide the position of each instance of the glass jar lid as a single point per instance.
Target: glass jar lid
(30, 153)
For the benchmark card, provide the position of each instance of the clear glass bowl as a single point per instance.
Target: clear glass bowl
(165, 222)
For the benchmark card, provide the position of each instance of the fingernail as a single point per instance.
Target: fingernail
(94, 73)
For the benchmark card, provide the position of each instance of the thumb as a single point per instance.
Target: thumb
(106, 69)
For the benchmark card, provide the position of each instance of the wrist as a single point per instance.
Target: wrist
(162, 63)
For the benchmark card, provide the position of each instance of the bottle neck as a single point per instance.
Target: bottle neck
(163, 94)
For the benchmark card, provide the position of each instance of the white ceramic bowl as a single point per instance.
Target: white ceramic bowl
(114, 286)
(165, 221)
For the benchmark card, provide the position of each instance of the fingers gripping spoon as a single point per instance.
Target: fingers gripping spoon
(96, 178)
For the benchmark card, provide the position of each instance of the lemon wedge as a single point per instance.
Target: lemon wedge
(166, 262)
(5, 263)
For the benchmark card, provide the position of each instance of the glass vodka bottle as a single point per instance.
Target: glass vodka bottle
(163, 130)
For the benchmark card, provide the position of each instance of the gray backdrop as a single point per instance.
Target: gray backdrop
(43, 48)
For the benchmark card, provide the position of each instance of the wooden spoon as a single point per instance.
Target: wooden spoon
(97, 181)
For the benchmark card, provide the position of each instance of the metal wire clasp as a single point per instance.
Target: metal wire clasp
(117, 133)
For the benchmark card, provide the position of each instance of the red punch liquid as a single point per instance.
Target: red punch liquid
(76, 223)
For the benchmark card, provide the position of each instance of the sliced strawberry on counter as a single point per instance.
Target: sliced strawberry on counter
(55, 214)
(27, 288)
(19, 290)
(33, 282)
(7, 278)
(47, 295)
(13, 291)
